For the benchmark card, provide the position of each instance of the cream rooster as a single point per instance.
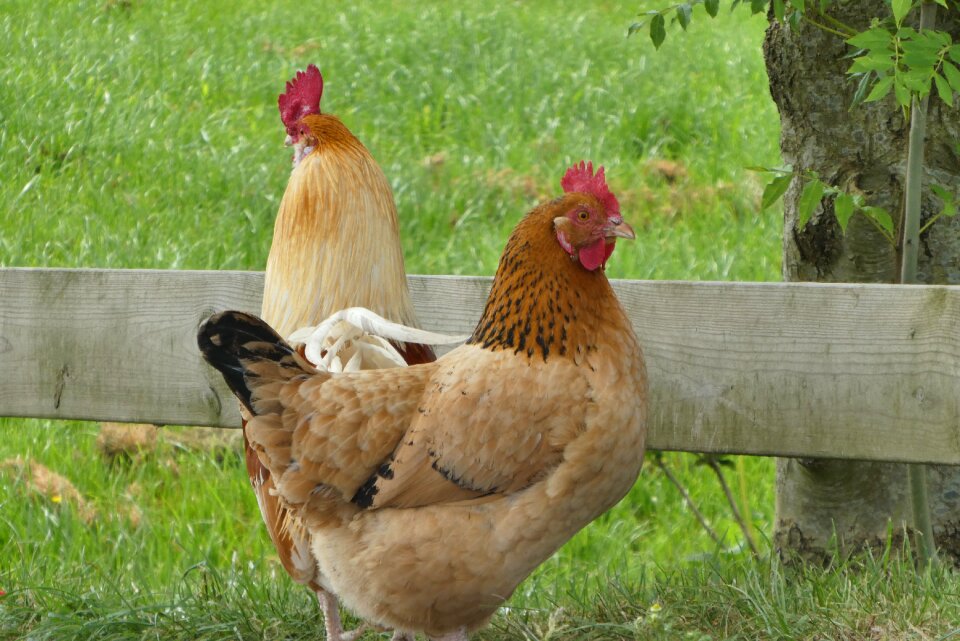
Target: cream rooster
(431, 491)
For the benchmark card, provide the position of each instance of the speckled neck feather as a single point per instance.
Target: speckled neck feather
(542, 302)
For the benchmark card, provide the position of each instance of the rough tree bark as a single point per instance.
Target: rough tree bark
(825, 506)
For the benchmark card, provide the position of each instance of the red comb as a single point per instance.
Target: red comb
(580, 178)
(301, 98)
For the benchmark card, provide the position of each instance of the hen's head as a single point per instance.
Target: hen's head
(301, 98)
(589, 222)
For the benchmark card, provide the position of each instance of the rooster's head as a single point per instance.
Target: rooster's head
(301, 98)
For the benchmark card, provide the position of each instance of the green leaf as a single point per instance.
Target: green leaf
(917, 82)
(756, 6)
(875, 38)
(949, 201)
(684, 13)
(635, 27)
(809, 199)
(881, 216)
(943, 89)
(900, 9)
(773, 191)
(861, 92)
(952, 75)
(873, 61)
(941, 39)
(785, 169)
(921, 53)
(881, 89)
(915, 79)
(907, 33)
(954, 53)
(941, 193)
(658, 30)
(942, 3)
(779, 10)
(901, 91)
(843, 209)
(794, 19)
(712, 7)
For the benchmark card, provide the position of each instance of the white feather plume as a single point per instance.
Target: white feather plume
(355, 339)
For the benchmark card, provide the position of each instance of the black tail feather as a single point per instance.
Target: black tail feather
(227, 338)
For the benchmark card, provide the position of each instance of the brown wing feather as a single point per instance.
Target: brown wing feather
(484, 427)
(470, 425)
(339, 429)
(286, 541)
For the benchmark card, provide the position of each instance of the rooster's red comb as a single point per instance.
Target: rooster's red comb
(301, 97)
(580, 178)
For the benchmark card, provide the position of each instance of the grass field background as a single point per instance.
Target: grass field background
(139, 134)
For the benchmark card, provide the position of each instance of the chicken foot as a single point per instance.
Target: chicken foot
(331, 619)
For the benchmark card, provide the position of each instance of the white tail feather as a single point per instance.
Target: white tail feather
(354, 339)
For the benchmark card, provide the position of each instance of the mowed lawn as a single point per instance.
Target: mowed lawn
(138, 134)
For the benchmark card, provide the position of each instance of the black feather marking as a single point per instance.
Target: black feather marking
(544, 346)
(229, 338)
(385, 471)
(457, 480)
(365, 495)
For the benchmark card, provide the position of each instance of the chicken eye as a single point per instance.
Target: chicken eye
(583, 215)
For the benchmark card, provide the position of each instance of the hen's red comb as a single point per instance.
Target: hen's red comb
(580, 178)
(301, 98)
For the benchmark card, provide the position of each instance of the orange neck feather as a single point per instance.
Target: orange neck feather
(332, 135)
(543, 302)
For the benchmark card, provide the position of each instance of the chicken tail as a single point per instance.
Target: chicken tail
(251, 356)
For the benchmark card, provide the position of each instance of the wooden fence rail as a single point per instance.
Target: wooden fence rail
(839, 371)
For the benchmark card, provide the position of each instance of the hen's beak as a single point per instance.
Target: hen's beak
(289, 141)
(618, 228)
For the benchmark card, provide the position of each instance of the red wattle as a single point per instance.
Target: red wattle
(610, 247)
(594, 255)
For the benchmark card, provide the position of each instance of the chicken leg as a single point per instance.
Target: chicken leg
(331, 619)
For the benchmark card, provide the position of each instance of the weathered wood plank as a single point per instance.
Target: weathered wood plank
(844, 371)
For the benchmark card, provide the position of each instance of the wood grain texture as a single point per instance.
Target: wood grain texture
(837, 371)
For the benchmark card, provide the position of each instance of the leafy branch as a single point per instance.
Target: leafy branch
(900, 58)
(888, 56)
(682, 14)
(845, 203)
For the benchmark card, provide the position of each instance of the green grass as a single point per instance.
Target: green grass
(126, 123)
(145, 134)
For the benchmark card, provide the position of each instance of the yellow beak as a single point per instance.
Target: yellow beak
(613, 229)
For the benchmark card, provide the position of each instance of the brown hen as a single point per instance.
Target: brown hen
(431, 491)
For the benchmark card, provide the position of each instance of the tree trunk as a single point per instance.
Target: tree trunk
(828, 506)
